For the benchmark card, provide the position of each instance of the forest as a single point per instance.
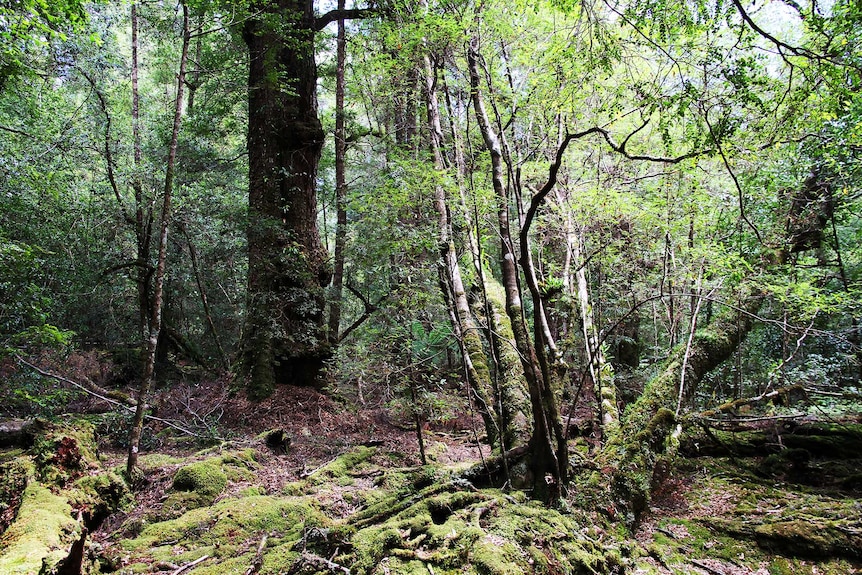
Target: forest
(430, 287)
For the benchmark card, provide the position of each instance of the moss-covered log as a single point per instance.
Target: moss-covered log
(649, 427)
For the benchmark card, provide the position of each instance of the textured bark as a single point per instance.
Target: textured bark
(512, 395)
(284, 339)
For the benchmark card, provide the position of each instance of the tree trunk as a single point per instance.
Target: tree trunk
(512, 399)
(548, 451)
(600, 372)
(452, 283)
(649, 429)
(340, 186)
(155, 322)
(284, 339)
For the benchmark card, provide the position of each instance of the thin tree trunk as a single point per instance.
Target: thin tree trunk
(512, 397)
(143, 214)
(548, 451)
(340, 186)
(476, 362)
(204, 300)
(603, 382)
(155, 323)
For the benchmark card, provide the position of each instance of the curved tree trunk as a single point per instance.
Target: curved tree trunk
(649, 430)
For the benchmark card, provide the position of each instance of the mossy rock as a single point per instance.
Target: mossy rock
(204, 478)
(341, 467)
(101, 495)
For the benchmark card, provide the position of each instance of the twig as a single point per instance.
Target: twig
(190, 565)
(103, 397)
(754, 419)
(257, 563)
(307, 474)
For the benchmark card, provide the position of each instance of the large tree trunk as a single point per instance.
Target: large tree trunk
(284, 339)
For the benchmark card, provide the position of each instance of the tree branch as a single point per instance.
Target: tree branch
(128, 404)
(324, 20)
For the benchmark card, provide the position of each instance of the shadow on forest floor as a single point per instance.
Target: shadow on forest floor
(340, 491)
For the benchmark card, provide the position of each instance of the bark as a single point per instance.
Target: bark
(512, 398)
(284, 338)
(340, 186)
(155, 322)
(452, 283)
(143, 213)
(548, 451)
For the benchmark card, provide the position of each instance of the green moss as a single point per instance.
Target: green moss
(229, 522)
(63, 452)
(102, 494)
(204, 478)
(42, 532)
(342, 465)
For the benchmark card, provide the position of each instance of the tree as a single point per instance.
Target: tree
(154, 325)
(284, 338)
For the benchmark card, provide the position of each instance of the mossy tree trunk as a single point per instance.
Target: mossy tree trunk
(512, 396)
(284, 337)
(548, 450)
(511, 402)
(451, 281)
(649, 429)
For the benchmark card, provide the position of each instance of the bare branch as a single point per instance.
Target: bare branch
(324, 20)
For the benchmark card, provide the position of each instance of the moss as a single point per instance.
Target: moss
(63, 452)
(42, 532)
(229, 522)
(101, 495)
(204, 478)
(803, 538)
(15, 474)
(342, 465)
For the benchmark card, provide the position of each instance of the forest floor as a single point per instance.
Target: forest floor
(345, 493)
